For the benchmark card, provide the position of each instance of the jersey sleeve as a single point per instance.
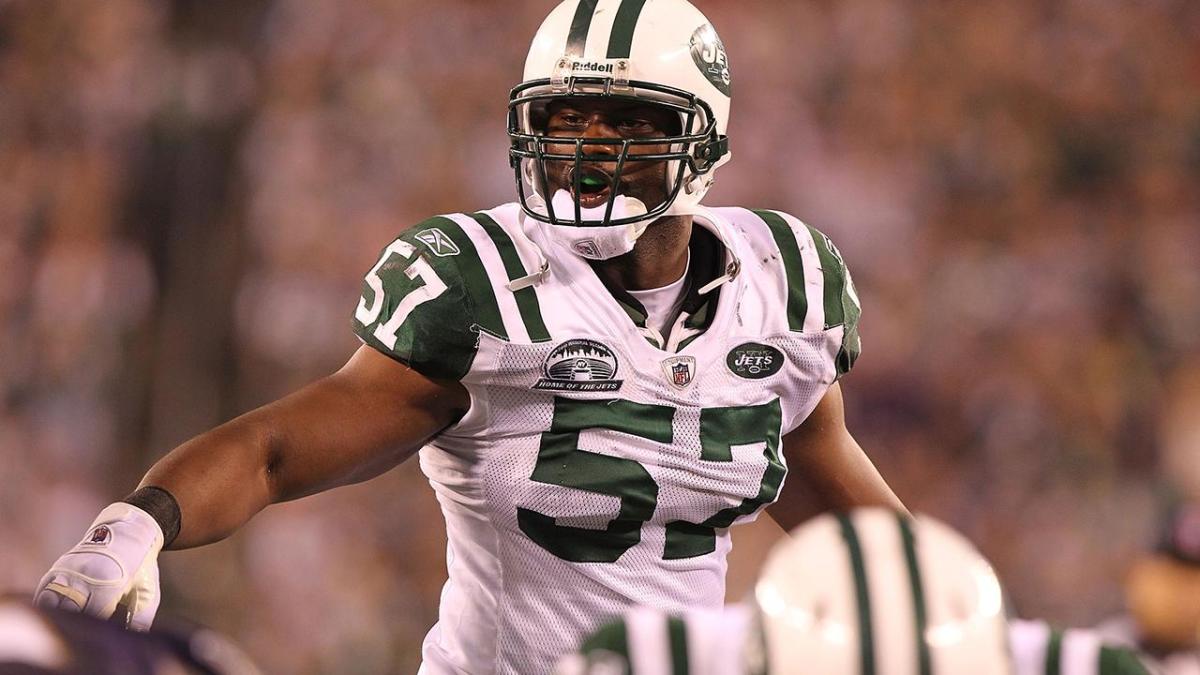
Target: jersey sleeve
(820, 294)
(417, 308)
(842, 308)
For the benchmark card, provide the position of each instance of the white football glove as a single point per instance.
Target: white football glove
(115, 564)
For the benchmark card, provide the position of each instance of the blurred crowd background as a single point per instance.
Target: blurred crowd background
(191, 191)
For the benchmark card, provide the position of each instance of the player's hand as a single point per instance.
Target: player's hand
(115, 564)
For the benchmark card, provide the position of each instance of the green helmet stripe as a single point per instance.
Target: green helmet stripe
(677, 634)
(577, 38)
(527, 300)
(920, 619)
(793, 267)
(866, 637)
(1054, 653)
(620, 41)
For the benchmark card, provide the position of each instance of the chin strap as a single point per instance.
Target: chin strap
(731, 272)
(523, 242)
(531, 279)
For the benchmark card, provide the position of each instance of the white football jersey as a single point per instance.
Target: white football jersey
(648, 642)
(601, 464)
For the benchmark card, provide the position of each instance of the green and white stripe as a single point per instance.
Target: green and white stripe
(1039, 649)
(472, 272)
(810, 278)
(647, 641)
(891, 601)
(820, 291)
(603, 29)
(519, 313)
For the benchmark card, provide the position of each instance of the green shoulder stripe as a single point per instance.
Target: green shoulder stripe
(834, 271)
(793, 266)
(471, 271)
(527, 300)
(427, 299)
(841, 300)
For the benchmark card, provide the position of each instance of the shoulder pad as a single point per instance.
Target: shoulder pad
(821, 293)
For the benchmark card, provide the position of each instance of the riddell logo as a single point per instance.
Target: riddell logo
(592, 67)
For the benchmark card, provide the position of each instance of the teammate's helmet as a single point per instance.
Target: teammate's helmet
(878, 592)
(659, 52)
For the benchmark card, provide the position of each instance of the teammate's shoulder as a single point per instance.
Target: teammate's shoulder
(702, 641)
(1039, 648)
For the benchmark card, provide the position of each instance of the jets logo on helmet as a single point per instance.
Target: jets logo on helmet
(662, 53)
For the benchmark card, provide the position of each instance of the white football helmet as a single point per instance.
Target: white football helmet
(876, 592)
(661, 52)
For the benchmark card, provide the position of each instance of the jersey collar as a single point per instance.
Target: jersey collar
(714, 263)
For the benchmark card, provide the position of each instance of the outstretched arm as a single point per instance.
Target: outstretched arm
(347, 427)
(827, 469)
(350, 426)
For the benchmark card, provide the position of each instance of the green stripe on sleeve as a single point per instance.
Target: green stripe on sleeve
(474, 276)
(677, 633)
(835, 279)
(925, 662)
(866, 637)
(793, 265)
(620, 42)
(1054, 653)
(841, 300)
(527, 300)
(580, 25)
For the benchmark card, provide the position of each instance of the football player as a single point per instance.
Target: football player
(873, 592)
(600, 378)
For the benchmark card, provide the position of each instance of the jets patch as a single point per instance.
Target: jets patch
(438, 242)
(680, 370)
(754, 361)
(580, 365)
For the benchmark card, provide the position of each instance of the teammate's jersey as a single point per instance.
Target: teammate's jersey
(647, 642)
(601, 463)
(1039, 649)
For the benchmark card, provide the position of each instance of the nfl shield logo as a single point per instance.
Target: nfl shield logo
(680, 370)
